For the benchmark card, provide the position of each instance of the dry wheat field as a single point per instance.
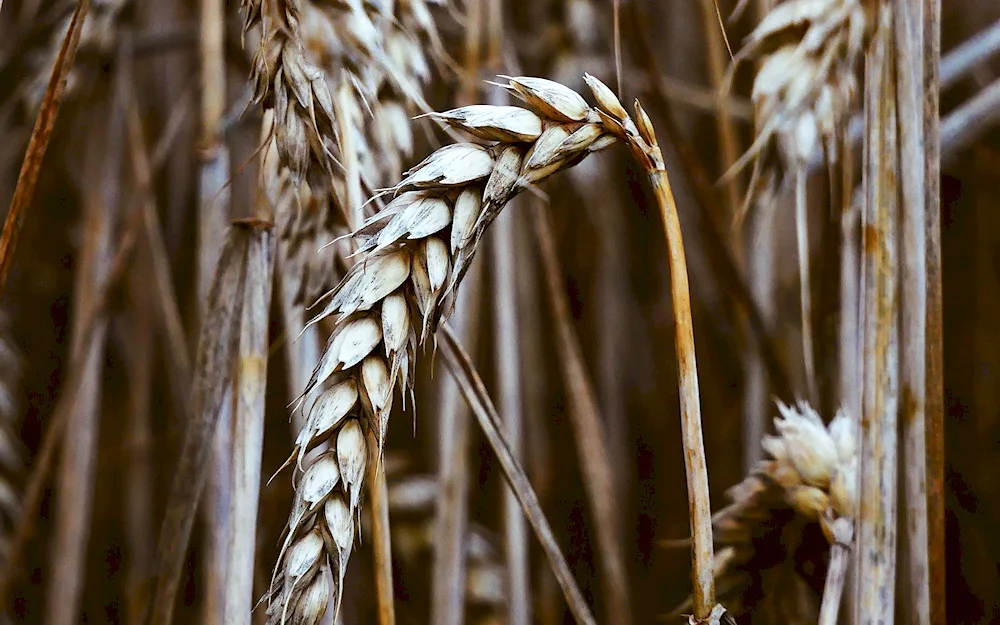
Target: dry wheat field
(499, 312)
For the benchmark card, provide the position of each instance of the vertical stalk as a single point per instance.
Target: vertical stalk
(473, 44)
(757, 402)
(249, 386)
(934, 360)
(848, 369)
(451, 523)
(139, 492)
(716, 54)
(381, 540)
(805, 281)
(508, 363)
(699, 505)
(842, 530)
(213, 221)
(910, 94)
(877, 522)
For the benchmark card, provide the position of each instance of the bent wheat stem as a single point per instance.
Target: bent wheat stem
(642, 141)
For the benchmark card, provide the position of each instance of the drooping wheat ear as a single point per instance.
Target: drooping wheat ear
(803, 94)
(810, 477)
(413, 256)
(11, 458)
(412, 502)
(97, 37)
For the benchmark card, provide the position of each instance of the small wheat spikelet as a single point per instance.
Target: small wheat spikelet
(413, 255)
(807, 488)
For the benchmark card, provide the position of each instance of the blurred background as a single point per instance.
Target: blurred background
(139, 59)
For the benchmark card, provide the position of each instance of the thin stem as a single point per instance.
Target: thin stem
(472, 53)
(757, 402)
(934, 360)
(967, 122)
(699, 505)
(720, 257)
(381, 540)
(451, 524)
(971, 53)
(474, 392)
(716, 57)
(840, 553)
(848, 369)
(139, 489)
(805, 288)
(508, 364)
(39, 142)
(213, 220)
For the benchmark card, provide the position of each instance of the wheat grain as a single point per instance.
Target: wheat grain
(414, 255)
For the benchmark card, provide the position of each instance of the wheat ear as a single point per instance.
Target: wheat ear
(414, 254)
